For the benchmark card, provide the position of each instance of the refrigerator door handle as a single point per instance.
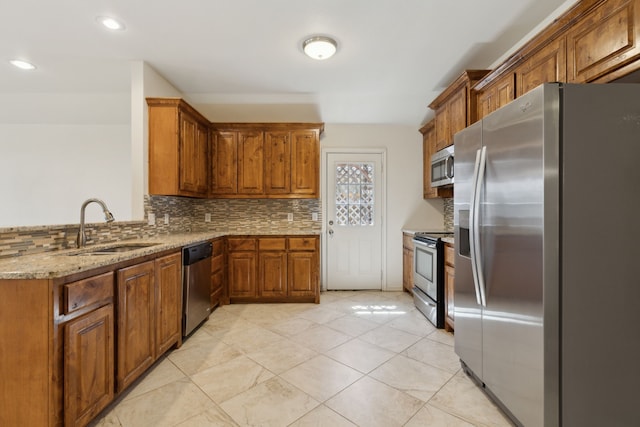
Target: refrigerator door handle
(477, 256)
(472, 227)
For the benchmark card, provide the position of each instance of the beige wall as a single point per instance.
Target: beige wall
(405, 205)
(59, 149)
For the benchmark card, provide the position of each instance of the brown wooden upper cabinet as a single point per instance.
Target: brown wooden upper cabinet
(260, 160)
(605, 39)
(224, 158)
(250, 166)
(546, 65)
(594, 41)
(428, 132)
(178, 149)
(455, 108)
(496, 94)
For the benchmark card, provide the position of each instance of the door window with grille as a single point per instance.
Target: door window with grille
(354, 194)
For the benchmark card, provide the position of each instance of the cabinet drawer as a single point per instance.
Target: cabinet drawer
(216, 281)
(215, 297)
(217, 263)
(218, 247)
(241, 244)
(449, 255)
(272, 244)
(302, 243)
(85, 292)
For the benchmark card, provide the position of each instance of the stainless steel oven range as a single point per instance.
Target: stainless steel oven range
(428, 275)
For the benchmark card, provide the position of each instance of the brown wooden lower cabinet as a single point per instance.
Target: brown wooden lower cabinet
(302, 279)
(168, 302)
(272, 274)
(242, 274)
(88, 336)
(407, 262)
(149, 315)
(136, 341)
(88, 365)
(218, 282)
(449, 287)
(268, 268)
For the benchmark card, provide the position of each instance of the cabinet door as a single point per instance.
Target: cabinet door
(407, 270)
(278, 162)
(224, 161)
(457, 114)
(303, 277)
(546, 65)
(88, 366)
(449, 290)
(193, 156)
(305, 163)
(496, 95)
(136, 343)
(486, 101)
(428, 141)
(272, 275)
(242, 274)
(441, 136)
(250, 162)
(607, 38)
(168, 302)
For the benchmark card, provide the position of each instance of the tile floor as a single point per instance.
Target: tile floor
(359, 358)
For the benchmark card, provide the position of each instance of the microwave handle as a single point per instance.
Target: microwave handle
(447, 167)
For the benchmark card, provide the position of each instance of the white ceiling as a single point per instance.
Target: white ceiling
(394, 56)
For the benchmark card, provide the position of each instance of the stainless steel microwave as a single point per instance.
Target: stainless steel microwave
(442, 167)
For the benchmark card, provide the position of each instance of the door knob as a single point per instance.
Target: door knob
(330, 232)
(330, 222)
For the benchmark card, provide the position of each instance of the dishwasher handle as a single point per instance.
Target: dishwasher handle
(195, 253)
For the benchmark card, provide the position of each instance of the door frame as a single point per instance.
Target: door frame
(383, 207)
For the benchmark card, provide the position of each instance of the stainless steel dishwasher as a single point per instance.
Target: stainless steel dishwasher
(196, 285)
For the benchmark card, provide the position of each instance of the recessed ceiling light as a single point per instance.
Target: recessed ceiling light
(319, 47)
(111, 23)
(24, 65)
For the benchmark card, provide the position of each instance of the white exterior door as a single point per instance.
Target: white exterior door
(353, 221)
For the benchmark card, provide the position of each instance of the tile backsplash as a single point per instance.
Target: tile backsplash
(448, 214)
(183, 214)
(234, 215)
(15, 241)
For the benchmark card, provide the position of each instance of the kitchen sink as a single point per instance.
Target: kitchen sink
(114, 249)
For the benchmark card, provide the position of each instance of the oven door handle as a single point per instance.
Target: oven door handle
(426, 245)
(476, 254)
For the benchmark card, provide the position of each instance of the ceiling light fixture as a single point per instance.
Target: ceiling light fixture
(23, 65)
(319, 47)
(111, 23)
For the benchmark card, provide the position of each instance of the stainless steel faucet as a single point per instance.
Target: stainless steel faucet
(81, 240)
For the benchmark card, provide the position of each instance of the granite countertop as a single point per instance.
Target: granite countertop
(449, 240)
(62, 263)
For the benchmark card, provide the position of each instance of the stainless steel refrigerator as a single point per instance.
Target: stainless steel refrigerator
(547, 232)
